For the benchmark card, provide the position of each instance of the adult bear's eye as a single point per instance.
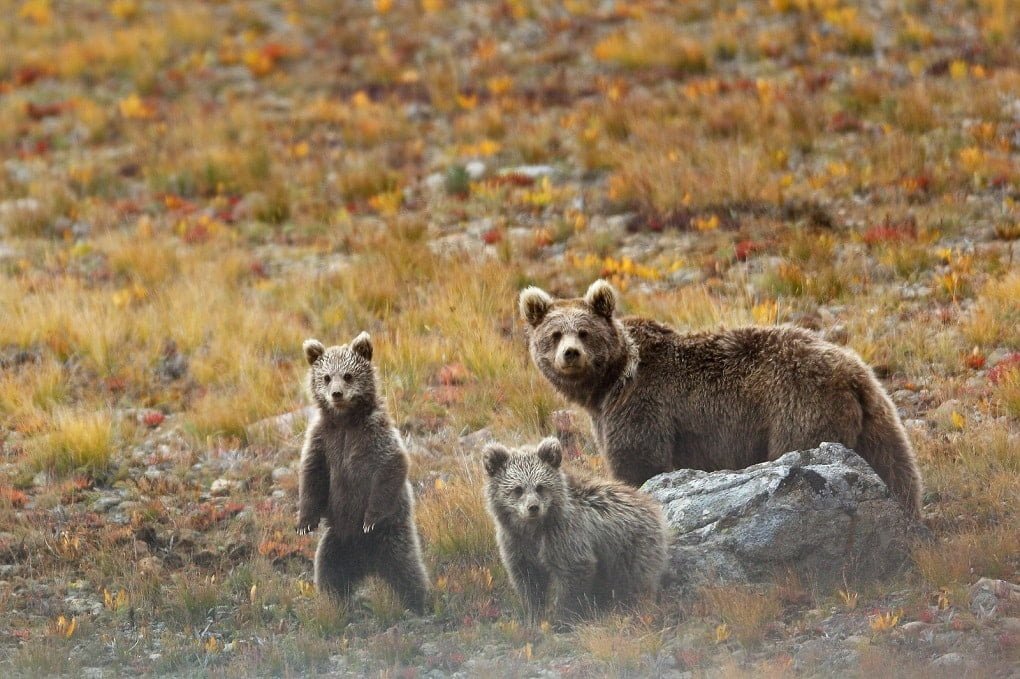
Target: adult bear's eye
(326, 379)
(557, 336)
(582, 334)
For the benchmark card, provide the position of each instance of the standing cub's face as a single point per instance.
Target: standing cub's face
(523, 486)
(572, 339)
(340, 376)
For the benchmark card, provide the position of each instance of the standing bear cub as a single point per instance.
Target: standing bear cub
(354, 475)
(567, 541)
(661, 400)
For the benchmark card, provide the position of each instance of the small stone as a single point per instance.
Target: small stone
(914, 627)
(948, 660)
(221, 487)
(475, 169)
(105, 504)
(530, 171)
(282, 473)
(474, 441)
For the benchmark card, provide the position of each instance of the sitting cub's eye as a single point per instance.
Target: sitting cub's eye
(557, 336)
(348, 377)
(517, 492)
(582, 334)
(540, 489)
(326, 379)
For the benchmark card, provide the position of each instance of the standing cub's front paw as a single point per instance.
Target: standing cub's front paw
(306, 525)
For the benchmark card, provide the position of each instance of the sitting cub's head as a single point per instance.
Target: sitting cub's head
(524, 486)
(341, 376)
(574, 341)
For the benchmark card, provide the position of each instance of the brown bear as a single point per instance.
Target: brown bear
(354, 475)
(569, 541)
(661, 400)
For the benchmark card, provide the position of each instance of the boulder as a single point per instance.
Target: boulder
(822, 513)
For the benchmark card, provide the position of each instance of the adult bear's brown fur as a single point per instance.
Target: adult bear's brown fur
(661, 400)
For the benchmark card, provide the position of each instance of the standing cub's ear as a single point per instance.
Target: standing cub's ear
(601, 297)
(362, 346)
(494, 458)
(534, 304)
(313, 350)
(550, 452)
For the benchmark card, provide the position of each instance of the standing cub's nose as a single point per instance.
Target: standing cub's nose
(533, 509)
(337, 395)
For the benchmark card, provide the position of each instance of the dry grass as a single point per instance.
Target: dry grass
(191, 189)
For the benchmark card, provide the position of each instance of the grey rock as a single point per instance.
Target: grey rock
(948, 660)
(474, 441)
(106, 503)
(988, 597)
(280, 426)
(281, 474)
(824, 513)
(530, 171)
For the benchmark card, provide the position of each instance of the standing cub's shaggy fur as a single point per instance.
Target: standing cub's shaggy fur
(575, 542)
(354, 475)
(660, 400)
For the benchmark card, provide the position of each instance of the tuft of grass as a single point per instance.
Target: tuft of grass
(76, 441)
(454, 523)
(745, 611)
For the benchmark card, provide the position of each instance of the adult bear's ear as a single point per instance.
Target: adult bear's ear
(550, 452)
(601, 297)
(313, 350)
(534, 304)
(362, 346)
(494, 457)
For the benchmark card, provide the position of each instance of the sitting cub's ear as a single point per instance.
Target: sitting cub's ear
(494, 457)
(534, 304)
(550, 452)
(313, 350)
(362, 346)
(601, 297)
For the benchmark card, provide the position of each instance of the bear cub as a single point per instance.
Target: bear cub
(661, 400)
(570, 542)
(354, 476)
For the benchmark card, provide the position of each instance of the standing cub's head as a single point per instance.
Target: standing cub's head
(525, 486)
(342, 376)
(576, 342)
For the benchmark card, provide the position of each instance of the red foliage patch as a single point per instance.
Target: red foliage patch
(453, 374)
(889, 231)
(12, 496)
(209, 514)
(1003, 367)
(153, 418)
(745, 248)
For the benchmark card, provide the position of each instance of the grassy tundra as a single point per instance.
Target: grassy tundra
(190, 189)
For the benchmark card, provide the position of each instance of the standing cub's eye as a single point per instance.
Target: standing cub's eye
(326, 379)
(517, 492)
(557, 336)
(348, 377)
(540, 489)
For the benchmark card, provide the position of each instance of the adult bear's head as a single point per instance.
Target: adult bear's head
(578, 344)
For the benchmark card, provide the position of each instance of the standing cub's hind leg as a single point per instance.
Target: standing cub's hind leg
(339, 568)
(398, 561)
